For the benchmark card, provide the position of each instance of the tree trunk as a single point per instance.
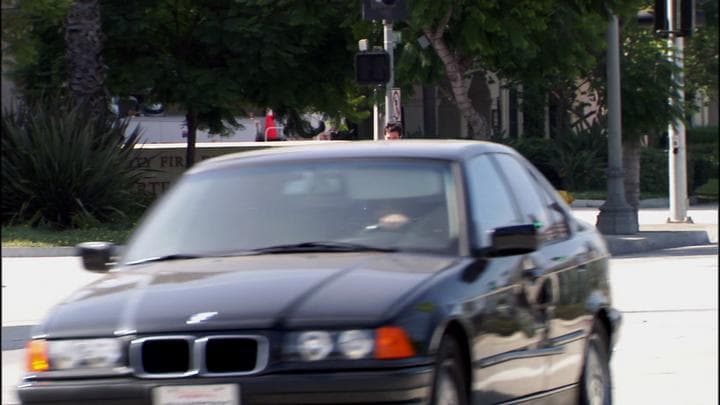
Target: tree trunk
(631, 167)
(83, 38)
(191, 120)
(456, 76)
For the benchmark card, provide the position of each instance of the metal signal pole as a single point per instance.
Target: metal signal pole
(388, 45)
(677, 159)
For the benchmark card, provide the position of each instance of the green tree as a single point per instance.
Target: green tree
(216, 58)
(518, 40)
(34, 52)
(646, 87)
(701, 52)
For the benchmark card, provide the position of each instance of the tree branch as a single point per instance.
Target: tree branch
(440, 27)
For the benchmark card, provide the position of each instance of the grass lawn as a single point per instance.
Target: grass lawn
(23, 236)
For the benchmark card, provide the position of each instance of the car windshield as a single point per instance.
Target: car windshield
(334, 206)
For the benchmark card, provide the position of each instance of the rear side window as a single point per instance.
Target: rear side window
(559, 224)
(491, 205)
(538, 200)
(532, 204)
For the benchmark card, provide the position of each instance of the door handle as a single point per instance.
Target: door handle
(530, 271)
(532, 274)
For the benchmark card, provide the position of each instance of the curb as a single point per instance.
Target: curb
(646, 203)
(38, 252)
(14, 337)
(652, 203)
(646, 241)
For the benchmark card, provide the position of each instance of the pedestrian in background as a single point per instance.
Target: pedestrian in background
(393, 130)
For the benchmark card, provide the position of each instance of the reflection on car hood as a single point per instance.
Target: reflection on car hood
(242, 293)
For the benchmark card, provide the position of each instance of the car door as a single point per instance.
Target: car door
(556, 286)
(509, 334)
(574, 259)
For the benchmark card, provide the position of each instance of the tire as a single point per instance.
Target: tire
(449, 387)
(596, 384)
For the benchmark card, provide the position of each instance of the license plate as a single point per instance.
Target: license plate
(216, 394)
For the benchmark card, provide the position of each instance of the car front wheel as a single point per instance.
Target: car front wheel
(595, 388)
(449, 385)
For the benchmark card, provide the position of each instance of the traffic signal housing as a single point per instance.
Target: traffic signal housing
(388, 10)
(372, 67)
(683, 18)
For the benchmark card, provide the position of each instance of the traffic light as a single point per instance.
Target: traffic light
(388, 10)
(687, 17)
(683, 22)
(662, 25)
(372, 67)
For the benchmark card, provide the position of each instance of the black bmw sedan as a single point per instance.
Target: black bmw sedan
(408, 272)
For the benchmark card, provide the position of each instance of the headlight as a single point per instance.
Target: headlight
(385, 343)
(59, 355)
(314, 345)
(355, 344)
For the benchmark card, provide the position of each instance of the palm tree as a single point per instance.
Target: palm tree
(86, 71)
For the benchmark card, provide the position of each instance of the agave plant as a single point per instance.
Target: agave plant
(64, 169)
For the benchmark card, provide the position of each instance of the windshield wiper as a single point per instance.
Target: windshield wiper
(322, 247)
(288, 248)
(165, 258)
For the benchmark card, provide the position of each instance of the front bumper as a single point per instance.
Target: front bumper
(402, 386)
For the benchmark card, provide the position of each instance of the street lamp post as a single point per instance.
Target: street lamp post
(616, 216)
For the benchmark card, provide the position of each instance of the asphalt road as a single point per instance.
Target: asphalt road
(667, 353)
(668, 348)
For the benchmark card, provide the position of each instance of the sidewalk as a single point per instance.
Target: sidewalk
(655, 233)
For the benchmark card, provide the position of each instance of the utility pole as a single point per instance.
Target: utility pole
(616, 216)
(677, 158)
(376, 121)
(388, 46)
(386, 11)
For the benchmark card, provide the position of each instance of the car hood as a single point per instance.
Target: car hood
(249, 292)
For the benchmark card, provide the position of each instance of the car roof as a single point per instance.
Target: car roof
(443, 149)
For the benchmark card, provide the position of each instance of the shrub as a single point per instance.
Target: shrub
(579, 158)
(654, 171)
(537, 151)
(573, 162)
(702, 135)
(64, 170)
(702, 155)
(709, 189)
(701, 168)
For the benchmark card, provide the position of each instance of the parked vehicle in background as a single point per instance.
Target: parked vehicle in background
(438, 272)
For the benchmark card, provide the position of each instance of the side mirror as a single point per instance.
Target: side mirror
(515, 240)
(96, 256)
